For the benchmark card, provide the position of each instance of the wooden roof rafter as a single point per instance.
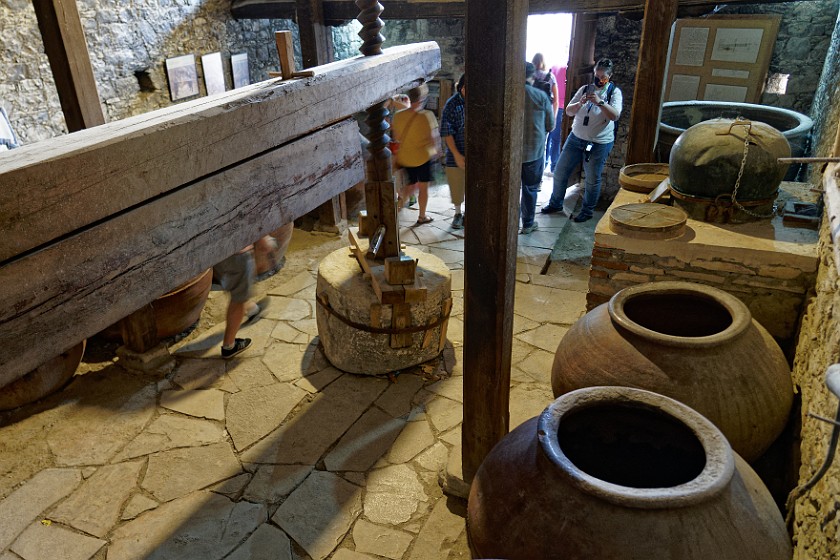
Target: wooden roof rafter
(342, 11)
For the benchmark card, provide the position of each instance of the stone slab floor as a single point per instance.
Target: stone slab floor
(274, 454)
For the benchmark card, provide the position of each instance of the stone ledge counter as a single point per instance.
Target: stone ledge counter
(768, 265)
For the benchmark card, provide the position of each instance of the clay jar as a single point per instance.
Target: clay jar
(693, 343)
(624, 474)
(44, 380)
(177, 310)
(265, 262)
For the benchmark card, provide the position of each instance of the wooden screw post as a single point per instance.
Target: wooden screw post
(372, 39)
(379, 183)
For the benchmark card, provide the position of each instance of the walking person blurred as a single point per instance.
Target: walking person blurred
(416, 130)
(452, 131)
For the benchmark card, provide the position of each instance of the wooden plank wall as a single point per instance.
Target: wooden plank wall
(124, 212)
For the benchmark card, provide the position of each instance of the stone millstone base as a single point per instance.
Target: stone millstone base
(351, 295)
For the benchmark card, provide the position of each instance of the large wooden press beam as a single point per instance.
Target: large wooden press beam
(75, 287)
(54, 188)
(338, 11)
(98, 223)
(496, 71)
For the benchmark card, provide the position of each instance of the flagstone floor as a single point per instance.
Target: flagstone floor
(275, 454)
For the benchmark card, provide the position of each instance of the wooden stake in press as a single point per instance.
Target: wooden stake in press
(286, 52)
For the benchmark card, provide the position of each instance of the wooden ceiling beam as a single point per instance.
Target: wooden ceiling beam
(341, 11)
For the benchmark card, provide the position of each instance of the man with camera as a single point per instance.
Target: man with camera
(596, 108)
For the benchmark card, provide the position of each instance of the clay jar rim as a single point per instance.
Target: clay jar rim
(713, 479)
(740, 313)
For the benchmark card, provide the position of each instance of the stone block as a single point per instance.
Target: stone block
(697, 276)
(350, 296)
(610, 264)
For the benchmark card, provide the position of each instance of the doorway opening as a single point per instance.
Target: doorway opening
(551, 35)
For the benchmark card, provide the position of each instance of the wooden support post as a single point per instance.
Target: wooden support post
(581, 59)
(139, 331)
(496, 70)
(650, 75)
(64, 43)
(315, 38)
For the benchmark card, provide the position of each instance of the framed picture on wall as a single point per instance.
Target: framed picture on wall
(721, 58)
(214, 74)
(182, 76)
(239, 67)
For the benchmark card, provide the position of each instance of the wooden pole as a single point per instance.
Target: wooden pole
(581, 60)
(64, 43)
(315, 37)
(139, 330)
(495, 66)
(650, 76)
(379, 184)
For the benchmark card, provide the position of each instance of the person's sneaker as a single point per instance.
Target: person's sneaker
(252, 315)
(458, 221)
(529, 229)
(581, 218)
(239, 346)
(550, 210)
(412, 200)
(548, 172)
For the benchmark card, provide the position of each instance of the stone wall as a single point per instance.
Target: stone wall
(124, 38)
(801, 46)
(447, 33)
(816, 523)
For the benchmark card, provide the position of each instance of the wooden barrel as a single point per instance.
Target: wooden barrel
(177, 310)
(267, 260)
(44, 380)
(642, 177)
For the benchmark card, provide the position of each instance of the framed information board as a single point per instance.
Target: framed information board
(721, 58)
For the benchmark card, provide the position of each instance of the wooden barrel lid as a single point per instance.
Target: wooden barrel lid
(642, 177)
(648, 221)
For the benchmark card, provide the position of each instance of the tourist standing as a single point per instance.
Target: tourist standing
(596, 108)
(539, 120)
(452, 131)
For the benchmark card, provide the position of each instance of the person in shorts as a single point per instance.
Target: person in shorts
(235, 275)
(416, 130)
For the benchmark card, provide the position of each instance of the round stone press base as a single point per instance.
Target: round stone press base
(350, 294)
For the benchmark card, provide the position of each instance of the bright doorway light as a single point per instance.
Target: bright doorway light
(549, 34)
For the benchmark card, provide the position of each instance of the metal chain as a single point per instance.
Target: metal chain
(737, 204)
